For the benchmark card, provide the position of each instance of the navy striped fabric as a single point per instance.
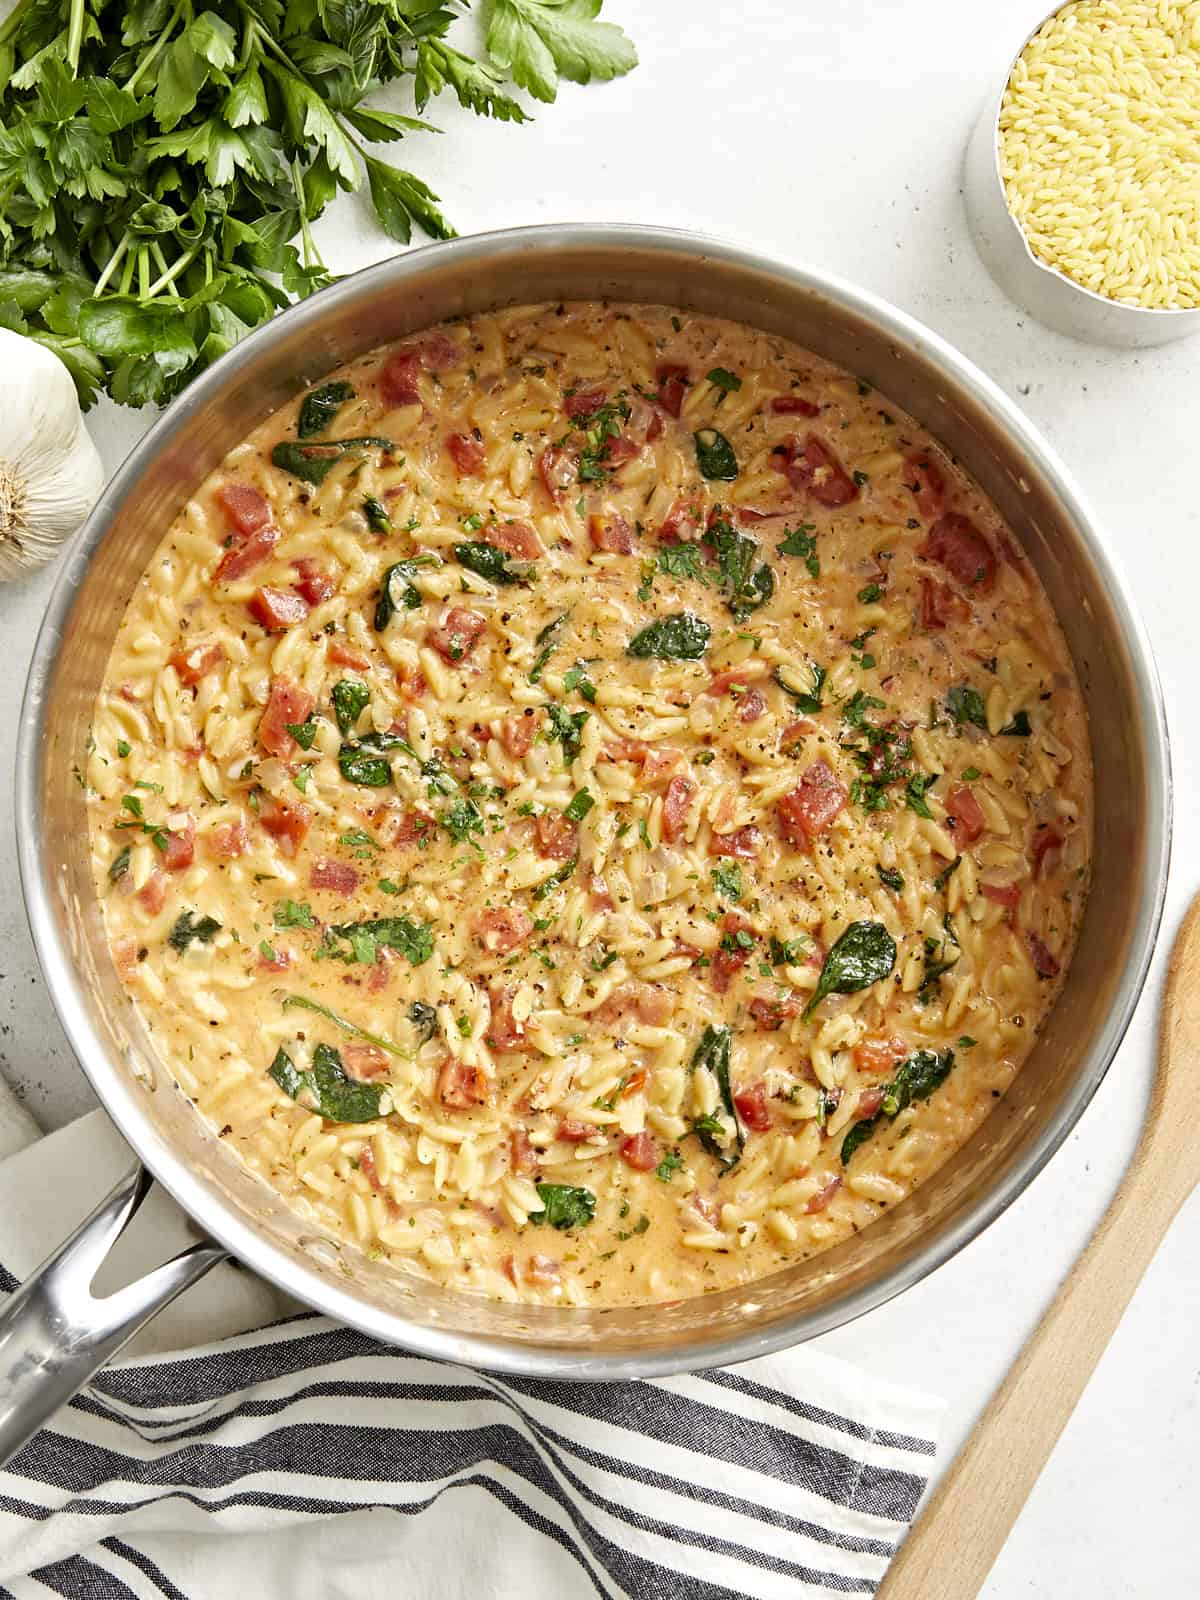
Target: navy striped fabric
(316, 1453)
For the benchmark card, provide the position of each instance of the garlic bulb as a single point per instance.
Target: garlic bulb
(50, 473)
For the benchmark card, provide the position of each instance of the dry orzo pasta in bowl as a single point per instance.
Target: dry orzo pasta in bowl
(1083, 175)
(589, 803)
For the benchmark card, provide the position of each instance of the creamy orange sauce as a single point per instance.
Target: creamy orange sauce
(476, 824)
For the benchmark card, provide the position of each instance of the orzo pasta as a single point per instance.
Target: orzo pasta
(591, 803)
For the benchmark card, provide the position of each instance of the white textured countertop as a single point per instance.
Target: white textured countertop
(834, 135)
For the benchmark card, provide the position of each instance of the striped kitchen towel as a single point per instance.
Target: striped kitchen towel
(303, 1460)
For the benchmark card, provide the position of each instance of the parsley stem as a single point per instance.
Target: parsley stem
(75, 36)
(151, 54)
(171, 273)
(111, 266)
(13, 21)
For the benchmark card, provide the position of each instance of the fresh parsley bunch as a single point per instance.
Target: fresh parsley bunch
(161, 164)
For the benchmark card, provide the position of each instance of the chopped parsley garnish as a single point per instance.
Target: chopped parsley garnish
(727, 880)
(579, 805)
(566, 728)
(889, 877)
(360, 941)
(721, 378)
(462, 820)
(123, 747)
(802, 541)
(668, 1167)
(360, 842)
(870, 593)
(576, 678)
(557, 877)
(747, 585)
(119, 865)
(304, 733)
(787, 952)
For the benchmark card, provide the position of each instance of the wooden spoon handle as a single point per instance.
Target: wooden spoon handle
(952, 1547)
(954, 1544)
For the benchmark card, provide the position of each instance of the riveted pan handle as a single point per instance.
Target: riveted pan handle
(54, 1333)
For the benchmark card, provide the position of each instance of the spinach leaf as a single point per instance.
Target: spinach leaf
(545, 644)
(566, 727)
(325, 1087)
(423, 1019)
(557, 877)
(303, 732)
(488, 562)
(721, 378)
(364, 761)
(359, 941)
(312, 463)
(396, 589)
(350, 700)
(119, 865)
(189, 927)
(580, 804)
(746, 586)
(345, 1024)
(865, 954)
(1018, 728)
(915, 1079)
(714, 455)
(966, 705)
(680, 637)
(564, 1206)
(376, 514)
(665, 1171)
(807, 701)
(802, 541)
(915, 790)
(713, 1052)
(944, 876)
(320, 406)
(890, 878)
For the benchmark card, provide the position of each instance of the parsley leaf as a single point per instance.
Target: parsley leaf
(537, 41)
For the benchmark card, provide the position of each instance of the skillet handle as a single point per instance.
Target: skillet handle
(54, 1333)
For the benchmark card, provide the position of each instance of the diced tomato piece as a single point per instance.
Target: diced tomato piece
(682, 522)
(661, 760)
(677, 803)
(287, 704)
(808, 810)
(610, 531)
(398, 380)
(940, 606)
(153, 893)
(364, 1061)
(633, 1083)
(312, 581)
(504, 928)
(197, 662)
(648, 1002)
(411, 682)
(246, 508)
(600, 898)
(277, 609)
(967, 819)
(181, 846)
(227, 842)
(955, 543)
(439, 351)
(557, 836)
(287, 823)
(514, 538)
(751, 1105)
(731, 955)
(794, 734)
(877, 1055)
(574, 1132)
(558, 470)
(620, 450)
(583, 402)
(794, 405)
(412, 828)
(337, 876)
(655, 428)
(279, 960)
(820, 1200)
(380, 974)
(456, 637)
(1045, 964)
(542, 1271)
(771, 1014)
(634, 750)
(672, 380)
(467, 453)
(461, 1086)
(735, 678)
(813, 467)
(751, 705)
(1046, 843)
(925, 478)
(640, 1152)
(517, 735)
(245, 552)
(1007, 895)
(522, 1153)
(342, 655)
(504, 1031)
(744, 843)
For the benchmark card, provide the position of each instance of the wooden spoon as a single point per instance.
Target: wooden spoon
(954, 1544)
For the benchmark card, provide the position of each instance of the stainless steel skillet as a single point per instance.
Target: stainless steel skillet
(53, 1336)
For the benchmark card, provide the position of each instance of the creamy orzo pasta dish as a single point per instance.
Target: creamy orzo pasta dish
(591, 803)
